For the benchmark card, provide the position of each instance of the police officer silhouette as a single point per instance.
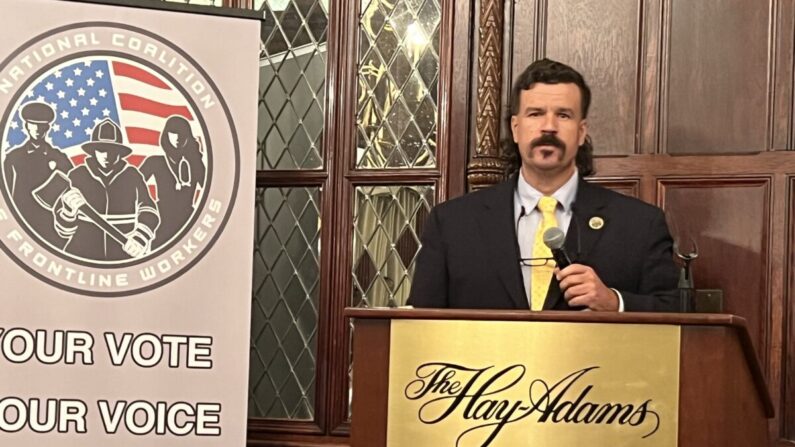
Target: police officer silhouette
(31, 164)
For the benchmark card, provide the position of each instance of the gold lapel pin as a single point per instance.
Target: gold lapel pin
(596, 223)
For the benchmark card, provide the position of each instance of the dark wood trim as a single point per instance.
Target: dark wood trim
(258, 426)
(776, 319)
(297, 441)
(444, 93)
(740, 408)
(403, 177)
(631, 183)
(344, 429)
(373, 337)
(291, 178)
(331, 146)
(652, 96)
(756, 372)
(639, 72)
(785, 76)
(540, 41)
(338, 379)
(510, 53)
(780, 68)
(551, 315)
(791, 81)
(649, 71)
(762, 163)
(486, 166)
(348, 14)
(772, 60)
(460, 60)
(787, 403)
(663, 77)
(243, 4)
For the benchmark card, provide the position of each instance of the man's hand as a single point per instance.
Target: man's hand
(72, 201)
(581, 286)
(136, 244)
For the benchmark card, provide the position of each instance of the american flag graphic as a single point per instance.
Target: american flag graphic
(85, 91)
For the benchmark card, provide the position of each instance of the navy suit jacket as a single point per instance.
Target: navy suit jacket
(470, 256)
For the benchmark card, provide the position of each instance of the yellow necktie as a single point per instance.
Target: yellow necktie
(542, 275)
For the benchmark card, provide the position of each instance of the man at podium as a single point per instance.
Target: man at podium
(487, 250)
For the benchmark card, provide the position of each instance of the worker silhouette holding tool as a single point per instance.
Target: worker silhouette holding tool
(103, 208)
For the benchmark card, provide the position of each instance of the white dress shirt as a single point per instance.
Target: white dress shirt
(527, 217)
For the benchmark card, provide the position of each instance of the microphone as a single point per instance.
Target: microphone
(554, 239)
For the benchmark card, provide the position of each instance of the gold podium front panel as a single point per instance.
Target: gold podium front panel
(487, 383)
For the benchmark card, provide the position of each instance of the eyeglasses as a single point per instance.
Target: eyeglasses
(540, 262)
(537, 262)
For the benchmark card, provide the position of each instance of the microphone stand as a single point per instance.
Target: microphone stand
(686, 287)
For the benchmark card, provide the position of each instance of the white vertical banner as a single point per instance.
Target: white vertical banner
(126, 221)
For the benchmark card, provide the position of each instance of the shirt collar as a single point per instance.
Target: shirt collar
(526, 196)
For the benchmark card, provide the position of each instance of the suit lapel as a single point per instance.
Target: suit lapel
(499, 234)
(588, 205)
(580, 236)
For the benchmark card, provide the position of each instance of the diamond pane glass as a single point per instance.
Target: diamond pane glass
(292, 84)
(387, 223)
(396, 111)
(284, 313)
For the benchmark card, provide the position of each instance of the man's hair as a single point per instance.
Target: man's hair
(547, 71)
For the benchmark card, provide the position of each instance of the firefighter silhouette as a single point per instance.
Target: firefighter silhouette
(123, 218)
(27, 166)
(178, 175)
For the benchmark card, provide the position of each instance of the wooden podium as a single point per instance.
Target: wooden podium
(722, 397)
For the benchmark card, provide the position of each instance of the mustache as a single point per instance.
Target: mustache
(548, 139)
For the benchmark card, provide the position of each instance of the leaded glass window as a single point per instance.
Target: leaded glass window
(287, 274)
(292, 84)
(398, 79)
(284, 315)
(387, 223)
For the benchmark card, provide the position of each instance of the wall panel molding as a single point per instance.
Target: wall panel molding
(733, 241)
(718, 76)
(608, 56)
(650, 63)
(629, 186)
(782, 74)
(787, 408)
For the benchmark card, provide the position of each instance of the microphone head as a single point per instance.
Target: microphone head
(554, 238)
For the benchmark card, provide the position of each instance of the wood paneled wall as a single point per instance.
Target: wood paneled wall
(693, 111)
(787, 411)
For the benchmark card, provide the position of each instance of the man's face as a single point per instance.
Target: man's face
(548, 128)
(102, 158)
(105, 159)
(37, 131)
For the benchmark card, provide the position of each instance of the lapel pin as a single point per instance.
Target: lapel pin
(596, 223)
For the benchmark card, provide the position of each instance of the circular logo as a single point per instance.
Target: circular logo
(111, 183)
